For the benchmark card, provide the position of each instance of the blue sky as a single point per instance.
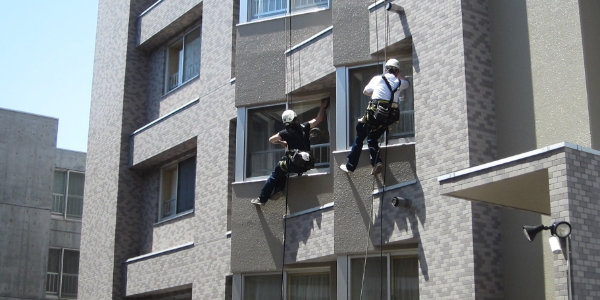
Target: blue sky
(47, 58)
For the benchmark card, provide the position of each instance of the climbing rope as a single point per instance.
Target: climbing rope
(386, 133)
(288, 96)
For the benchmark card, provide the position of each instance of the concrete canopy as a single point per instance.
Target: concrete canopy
(519, 181)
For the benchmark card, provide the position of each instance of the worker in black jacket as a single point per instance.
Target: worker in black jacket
(298, 159)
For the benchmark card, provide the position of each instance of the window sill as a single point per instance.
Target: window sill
(281, 16)
(185, 213)
(181, 85)
(317, 172)
(61, 217)
(365, 147)
(158, 253)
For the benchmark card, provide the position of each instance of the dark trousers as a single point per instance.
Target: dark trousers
(276, 182)
(372, 134)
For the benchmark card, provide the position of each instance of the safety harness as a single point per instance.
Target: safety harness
(382, 112)
(300, 161)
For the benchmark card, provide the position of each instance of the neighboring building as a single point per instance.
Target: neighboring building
(500, 129)
(41, 204)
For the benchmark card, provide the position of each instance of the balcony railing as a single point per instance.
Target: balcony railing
(75, 206)
(169, 208)
(405, 126)
(263, 162)
(301, 4)
(58, 203)
(266, 8)
(69, 285)
(173, 81)
(52, 283)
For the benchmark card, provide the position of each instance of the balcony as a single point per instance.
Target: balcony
(67, 285)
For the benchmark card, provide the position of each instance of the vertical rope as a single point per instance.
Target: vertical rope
(386, 33)
(362, 286)
(287, 30)
(284, 235)
(386, 36)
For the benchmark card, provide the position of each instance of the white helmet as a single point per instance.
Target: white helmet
(394, 63)
(288, 116)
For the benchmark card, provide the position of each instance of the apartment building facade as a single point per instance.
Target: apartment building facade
(41, 204)
(491, 138)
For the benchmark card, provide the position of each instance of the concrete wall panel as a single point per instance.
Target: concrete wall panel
(590, 25)
(308, 236)
(310, 62)
(351, 36)
(65, 234)
(558, 24)
(165, 19)
(71, 160)
(27, 153)
(260, 58)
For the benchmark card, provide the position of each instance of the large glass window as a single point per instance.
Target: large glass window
(178, 185)
(358, 78)
(268, 8)
(67, 192)
(63, 273)
(308, 286)
(263, 122)
(402, 283)
(262, 287)
(300, 285)
(183, 60)
(405, 127)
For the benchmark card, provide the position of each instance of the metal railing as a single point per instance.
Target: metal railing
(52, 283)
(58, 203)
(405, 126)
(74, 206)
(263, 162)
(265, 8)
(301, 4)
(169, 208)
(321, 153)
(69, 285)
(173, 81)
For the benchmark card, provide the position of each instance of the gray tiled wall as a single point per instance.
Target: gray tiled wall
(578, 184)
(127, 95)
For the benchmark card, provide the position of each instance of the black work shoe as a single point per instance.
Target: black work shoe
(276, 195)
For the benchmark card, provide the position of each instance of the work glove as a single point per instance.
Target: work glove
(305, 156)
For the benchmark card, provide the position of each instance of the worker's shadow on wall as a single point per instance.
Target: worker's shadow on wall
(298, 231)
(307, 228)
(399, 224)
(408, 33)
(273, 241)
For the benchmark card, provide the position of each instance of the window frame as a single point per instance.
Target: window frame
(389, 256)
(63, 214)
(343, 118)
(61, 273)
(245, 11)
(170, 165)
(290, 272)
(241, 161)
(181, 61)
